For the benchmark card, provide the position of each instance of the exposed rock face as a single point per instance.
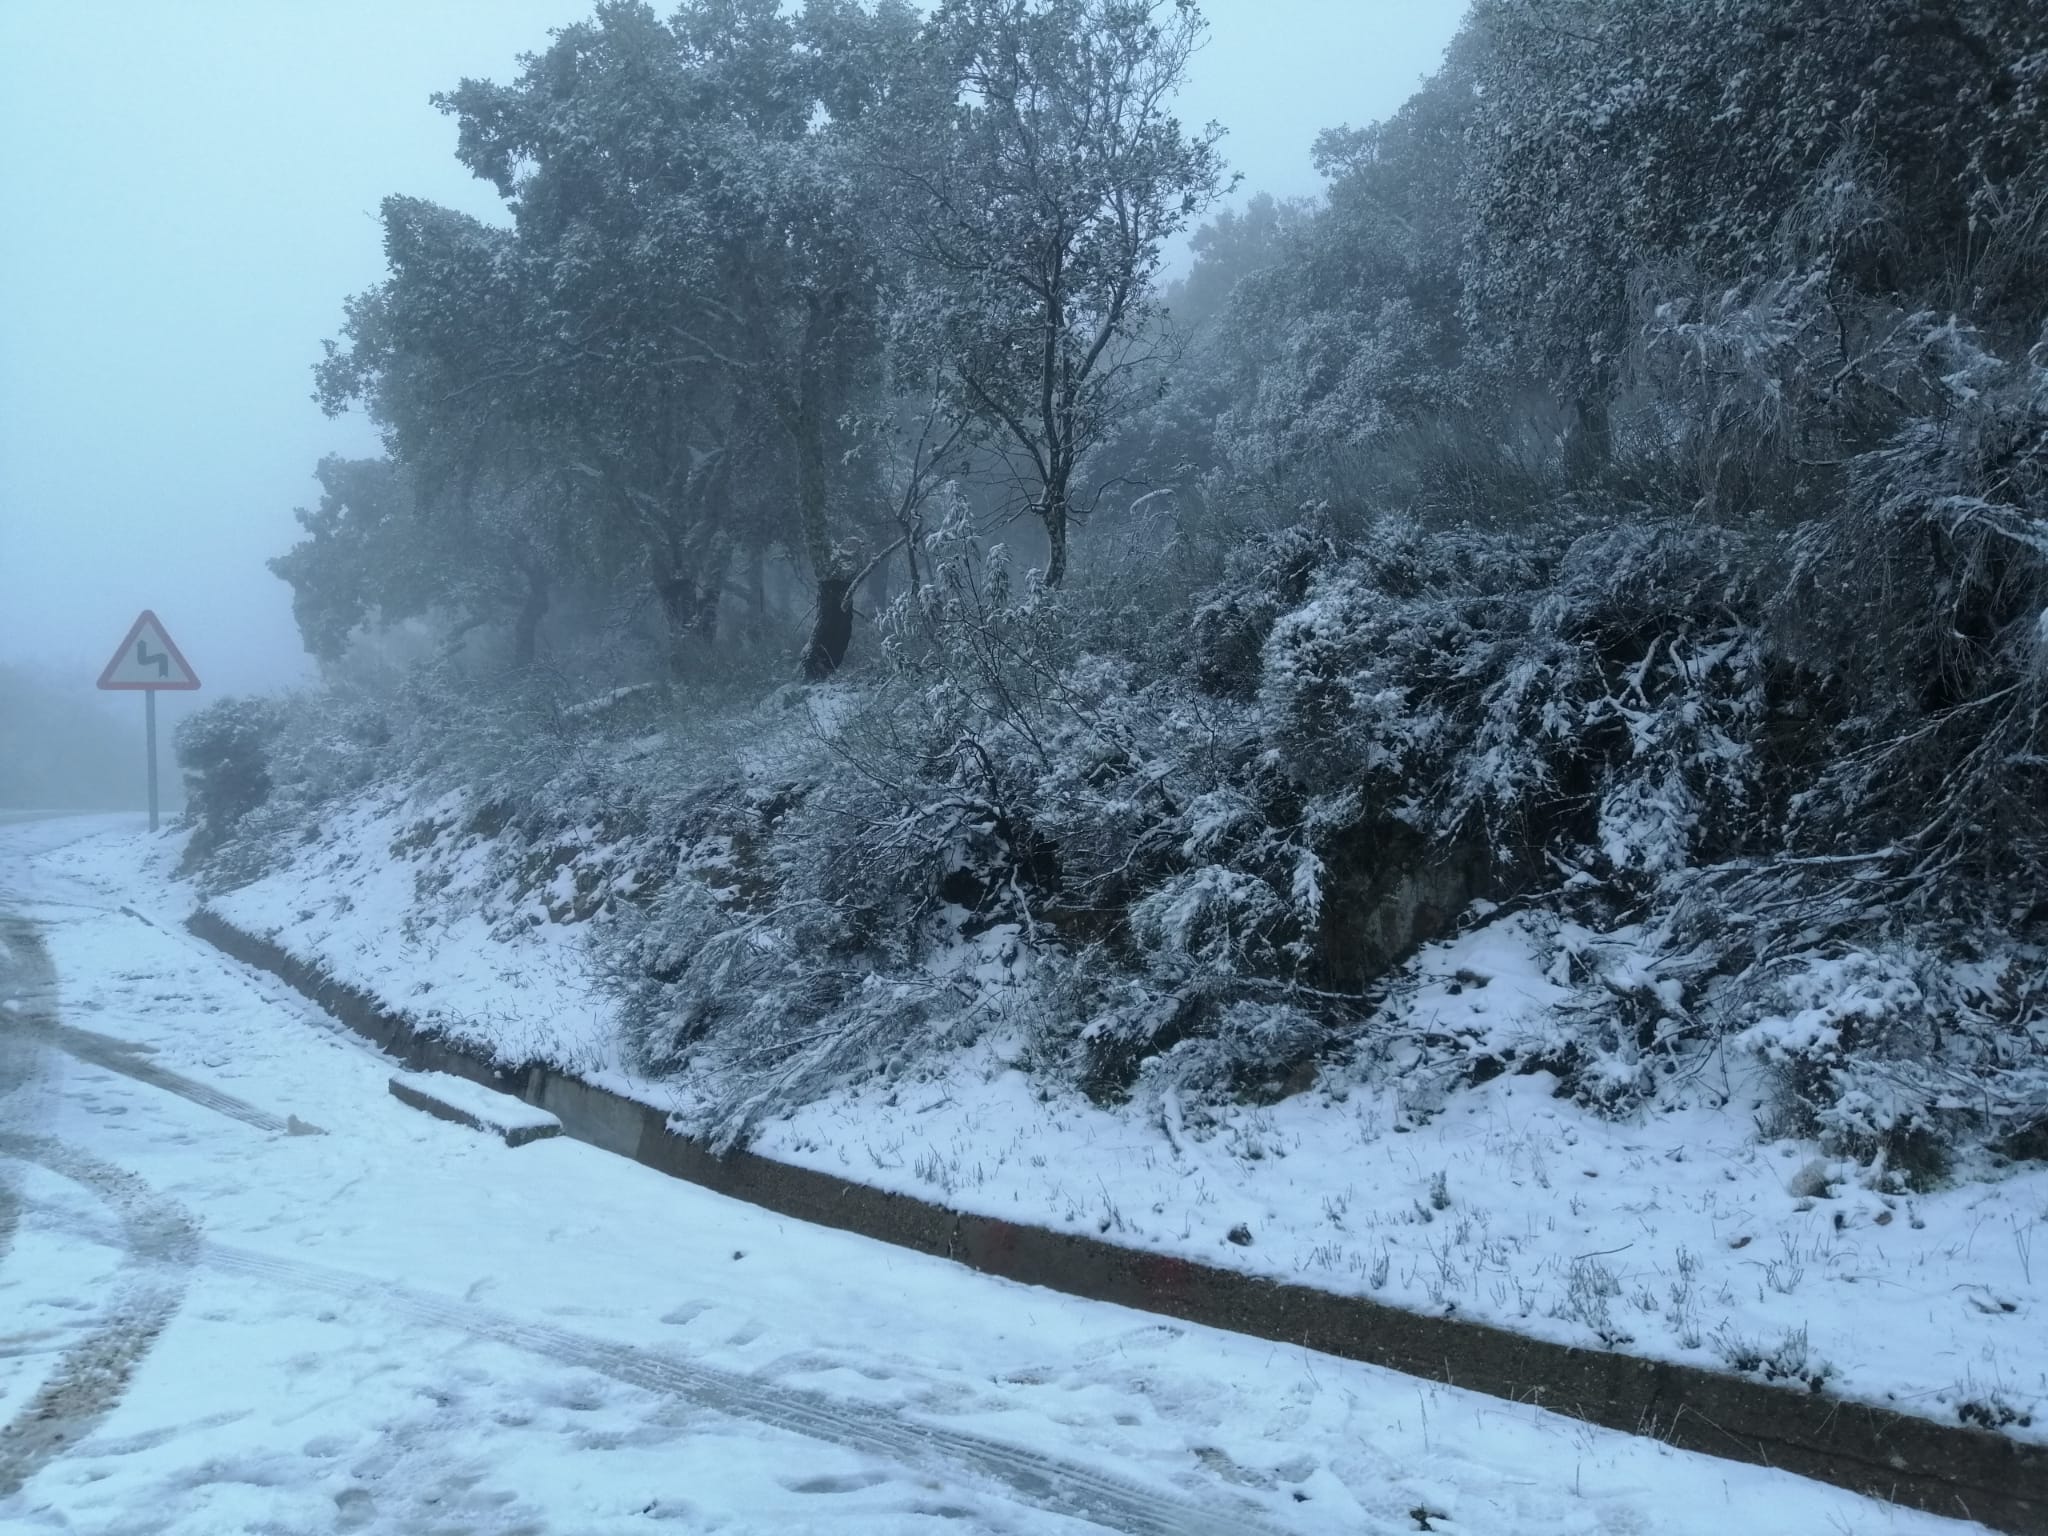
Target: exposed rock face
(1388, 892)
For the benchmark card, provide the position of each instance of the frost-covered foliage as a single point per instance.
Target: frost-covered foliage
(258, 772)
(1003, 830)
(1159, 880)
(1925, 599)
(1156, 866)
(223, 751)
(1891, 1056)
(1152, 874)
(1619, 508)
(1603, 684)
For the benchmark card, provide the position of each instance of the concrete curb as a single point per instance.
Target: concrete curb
(1946, 1469)
(518, 1124)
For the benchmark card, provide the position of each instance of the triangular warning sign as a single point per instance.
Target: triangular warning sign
(148, 660)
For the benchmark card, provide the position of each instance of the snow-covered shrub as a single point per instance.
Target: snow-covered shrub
(328, 746)
(1263, 578)
(1255, 1046)
(1511, 683)
(1920, 602)
(1893, 1057)
(1789, 1358)
(1843, 1022)
(766, 1003)
(786, 962)
(837, 899)
(1213, 919)
(223, 751)
(999, 788)
(997, 802)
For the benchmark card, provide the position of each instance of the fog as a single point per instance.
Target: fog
(193, 191)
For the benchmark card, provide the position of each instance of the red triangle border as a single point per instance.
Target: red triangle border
(147, 617)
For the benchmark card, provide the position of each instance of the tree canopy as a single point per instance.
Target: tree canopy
(1621, 496)
(728, 232)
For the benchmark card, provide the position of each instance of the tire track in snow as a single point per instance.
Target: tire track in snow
(129, 1060)
(10, 1214)
(90, 1377)
(27, 988)
(1092, 1494)
(1100, 1497)
(28, 1021)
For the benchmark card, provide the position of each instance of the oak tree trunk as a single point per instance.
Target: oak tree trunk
(832, 632)
(526, 628)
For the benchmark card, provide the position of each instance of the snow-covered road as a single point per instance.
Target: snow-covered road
(213, 1321)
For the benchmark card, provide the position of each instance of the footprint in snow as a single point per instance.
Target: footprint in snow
(840, 1482)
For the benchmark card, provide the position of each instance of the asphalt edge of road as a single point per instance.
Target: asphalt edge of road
(1948, 1470)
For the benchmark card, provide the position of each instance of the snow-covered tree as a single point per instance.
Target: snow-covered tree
(1614, 133)
(378, 550)
(1039, 172)
(682, 313)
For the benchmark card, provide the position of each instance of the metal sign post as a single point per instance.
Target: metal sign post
(149, 662)
(149, 740)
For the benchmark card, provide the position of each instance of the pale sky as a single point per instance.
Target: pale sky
(190, 192)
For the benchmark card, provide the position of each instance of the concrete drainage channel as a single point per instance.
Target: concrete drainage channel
(1947, 1469)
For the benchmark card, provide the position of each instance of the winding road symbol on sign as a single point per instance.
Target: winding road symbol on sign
(148, 660)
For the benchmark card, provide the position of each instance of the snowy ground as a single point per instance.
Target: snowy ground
(1678, 1235)
(403, 1326)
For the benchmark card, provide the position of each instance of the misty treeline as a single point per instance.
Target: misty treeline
(1618, 506)
(768, 282)
(59, 752)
